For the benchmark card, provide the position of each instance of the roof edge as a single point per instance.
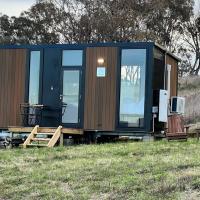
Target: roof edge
(167, 52)
(77, 45)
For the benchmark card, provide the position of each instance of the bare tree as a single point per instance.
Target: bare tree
(75, 21)
(191, 37)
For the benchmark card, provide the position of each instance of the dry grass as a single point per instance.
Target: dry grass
(189, 87)
(148, 170)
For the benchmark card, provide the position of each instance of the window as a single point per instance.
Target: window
(72, 61)
(71, 95)
(72, 58)
(34, 77)
(132, 89)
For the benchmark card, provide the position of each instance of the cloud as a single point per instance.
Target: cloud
(14, 7)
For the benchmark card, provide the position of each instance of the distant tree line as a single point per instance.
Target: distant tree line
(171, 23)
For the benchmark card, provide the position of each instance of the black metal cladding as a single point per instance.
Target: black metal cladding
(51, 87)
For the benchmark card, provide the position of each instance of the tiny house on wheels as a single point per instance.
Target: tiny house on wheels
(99, 88)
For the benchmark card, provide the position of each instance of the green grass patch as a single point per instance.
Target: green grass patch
(142, 170)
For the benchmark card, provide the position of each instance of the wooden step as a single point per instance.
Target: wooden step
(72, 131)
(42, 133)
(47, 129)
(36, 145)
(41, 139)
(55, 133)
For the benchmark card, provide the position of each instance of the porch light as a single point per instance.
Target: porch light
(100, 61)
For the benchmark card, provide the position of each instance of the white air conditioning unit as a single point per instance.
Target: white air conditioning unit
(178, 105)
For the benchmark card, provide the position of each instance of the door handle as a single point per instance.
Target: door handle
(62, 95)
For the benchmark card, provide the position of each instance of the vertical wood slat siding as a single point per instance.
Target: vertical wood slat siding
(174, 75)
(12, 85)
(100, 92)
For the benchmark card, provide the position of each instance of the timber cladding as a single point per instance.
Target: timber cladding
(174, 75)
(12, 85)
(100, 92)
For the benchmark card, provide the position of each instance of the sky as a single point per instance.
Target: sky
(15, 7)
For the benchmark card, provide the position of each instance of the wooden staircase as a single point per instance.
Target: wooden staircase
(43, 137)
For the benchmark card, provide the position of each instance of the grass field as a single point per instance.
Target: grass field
(148, 170)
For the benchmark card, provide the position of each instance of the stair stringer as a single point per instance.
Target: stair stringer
(31, 135)
(55, 137)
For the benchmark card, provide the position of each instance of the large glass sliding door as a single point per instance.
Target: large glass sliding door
(132, 88)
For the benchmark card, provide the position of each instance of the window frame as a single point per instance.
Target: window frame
(128, 124)
(148, 89)
(28, 62)
(71, 66)
(81, 69)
